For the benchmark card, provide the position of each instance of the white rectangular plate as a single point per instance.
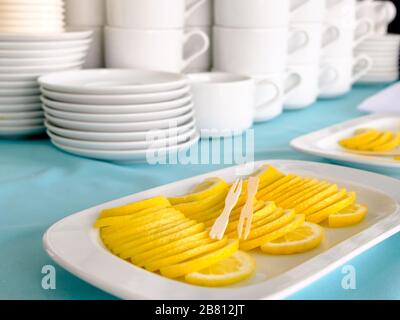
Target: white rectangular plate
(75, 244)
(324, 143)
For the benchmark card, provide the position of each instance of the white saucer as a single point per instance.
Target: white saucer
(19, 92)
(42, 62)
(118, 109)
(117, 99)
(120, 126)
(129, 117)
(57, 37)
(372, 79)
(21, 115)
(26, 46)
(21, 131)
(21, 107)
(21, 122)
(7, 84)
(119, 136)
(134, 156)
(120, 146)
(113, 81)
(37, 54)
(40, 69)
(19, 100)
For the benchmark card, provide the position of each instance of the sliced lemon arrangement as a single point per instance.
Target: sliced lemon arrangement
(202, 237)
(372, 140)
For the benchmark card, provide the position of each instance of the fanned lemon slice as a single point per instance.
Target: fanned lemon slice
(348, 217)
(184, 268)
(204, 190)
(234, 269)
(303, 239)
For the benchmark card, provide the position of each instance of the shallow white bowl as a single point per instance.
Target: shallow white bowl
(118, 109)
(133, 117)
(33, 84)
(118, 146)
(20, 107)
(40, 69)
(43, 46)
(61, 37)
(21, 131)
(21, 122)
(42, 62)
(120, 126)
(42, 54)
(128, 156)
(118, 136)
(21, 115)
(19, 92)
(113, 81)
(118, 99)
(19, 100)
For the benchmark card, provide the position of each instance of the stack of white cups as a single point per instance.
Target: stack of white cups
(254, 38)
(306, 63)
(344, 68)
(200, 18)
(88, 15)
(150, 34)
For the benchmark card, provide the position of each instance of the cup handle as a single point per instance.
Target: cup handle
(205, 47)
(296, 7)
(389, 14)
(368, 62)
(330, 35)
(263, 85)
(369, 30)
(193, 8)
(304, 40)
(297, 81)
(328, 75)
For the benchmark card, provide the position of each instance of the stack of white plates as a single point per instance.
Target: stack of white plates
(33, 16)
(384, 50)
(23, 58)
(119, 115)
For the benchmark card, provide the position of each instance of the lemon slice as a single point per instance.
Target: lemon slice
(182, 269)
(385, 138)
(362, 136)
(234, 269)
(268, 194)
(304, 195)
(186, 255)
(389, 146)
(278, 183)
(267, 175)
(324, 214)
(135, 207)
(348, 217)
(317, 198)
(258, 242)
(303, 239)
(207, 188)
(397, 158)
(308, 183)
(193, 207)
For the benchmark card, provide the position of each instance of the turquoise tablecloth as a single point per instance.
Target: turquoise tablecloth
(40, 185)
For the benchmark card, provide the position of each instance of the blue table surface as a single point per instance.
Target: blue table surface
(39, 185)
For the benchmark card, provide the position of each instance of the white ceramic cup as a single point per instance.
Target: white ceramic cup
(349, 38)
(309, 11)
(202, 63)
(256, 13)
(320, 36)
(342, 74)
(314, 79)
(151, 49)
(85, 13)
(227, 104)
(149, 14)
(381, 12)
(202, 16)
(255, 51)
(286, 82)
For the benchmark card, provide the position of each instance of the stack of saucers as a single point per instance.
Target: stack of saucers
(384, 50)
(119, 115)
(25, 57)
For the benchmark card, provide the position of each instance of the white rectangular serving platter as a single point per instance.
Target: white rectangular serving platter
(75, 245)
(324, 143)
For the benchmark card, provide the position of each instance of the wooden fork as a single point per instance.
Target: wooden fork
(220, 225)
(247, 210)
